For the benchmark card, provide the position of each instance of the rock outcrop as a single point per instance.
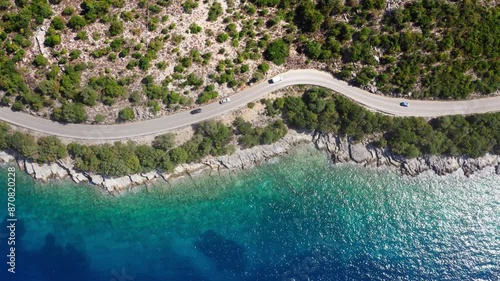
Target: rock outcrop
(340, 149)
(248, 158)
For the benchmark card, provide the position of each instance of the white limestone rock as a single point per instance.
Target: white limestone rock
(79, 177)
(150, 175)
(137, 179)
(359, 153)
(6, 157)
(20, 163)
(116, 184)
(165, 176)
(41, 172)
(29, 167)
(414, 167)
(58, 171)
(96, 179)
(442, 165)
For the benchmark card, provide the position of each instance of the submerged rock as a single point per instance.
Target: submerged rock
(225, 253)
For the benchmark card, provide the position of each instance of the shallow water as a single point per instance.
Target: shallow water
(298, 219)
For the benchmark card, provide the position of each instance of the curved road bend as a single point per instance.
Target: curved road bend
(379, 103)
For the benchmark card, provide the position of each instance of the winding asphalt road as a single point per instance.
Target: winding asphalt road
(378, 103)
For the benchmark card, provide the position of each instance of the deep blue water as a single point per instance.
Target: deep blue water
(298, 219)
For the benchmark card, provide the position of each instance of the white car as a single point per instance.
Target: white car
(275, 79)
(224, 100)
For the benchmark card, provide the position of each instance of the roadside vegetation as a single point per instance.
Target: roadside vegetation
(108, 53)
(321, 110)
(317, 110)
(118, 159)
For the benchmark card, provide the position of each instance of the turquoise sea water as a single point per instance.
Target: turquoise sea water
(298, 219)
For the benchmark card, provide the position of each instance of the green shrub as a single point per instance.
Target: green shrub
(116, 28)
(194, 28)
(58, 23)
(52, 40)
(70, 113)
(277, 51)
(215, 11)
(126, 114)
(68, 11)
(189, 6)
(99, 118)
(77, 22)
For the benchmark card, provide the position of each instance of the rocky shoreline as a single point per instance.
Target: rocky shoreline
(343, 151)
(340, 149)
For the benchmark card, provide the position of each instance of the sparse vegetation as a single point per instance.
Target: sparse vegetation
(427, 48)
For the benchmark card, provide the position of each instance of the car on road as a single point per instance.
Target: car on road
(226, 100)
(198, 110)
(275, 79)
(404, 104)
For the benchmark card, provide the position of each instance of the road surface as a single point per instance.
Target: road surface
(386, 105)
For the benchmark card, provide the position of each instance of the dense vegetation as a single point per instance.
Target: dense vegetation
(210, 138)
(250, 136)
(429, 48)
(320, 110)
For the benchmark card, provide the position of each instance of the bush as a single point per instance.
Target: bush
(215, 11)
(52, 40)
(194, 28)
(75, 54)
(68, 11)
(263, 67)
(99, 118)
(77, 22)
(126, 114)
(40, 61)
(81, 35)
(50, 149)
(164, 142)
(24, 144)
(116, 28)
(58, 23)
(277, 51)
(70, 113)
(222, 37)
(189, 6)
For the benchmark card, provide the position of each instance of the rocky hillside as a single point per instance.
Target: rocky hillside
(105, 61)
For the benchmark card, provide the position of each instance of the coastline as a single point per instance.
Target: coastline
(339, 149)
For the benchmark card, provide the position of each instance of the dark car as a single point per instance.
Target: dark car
(404, 104)
(198, 110)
